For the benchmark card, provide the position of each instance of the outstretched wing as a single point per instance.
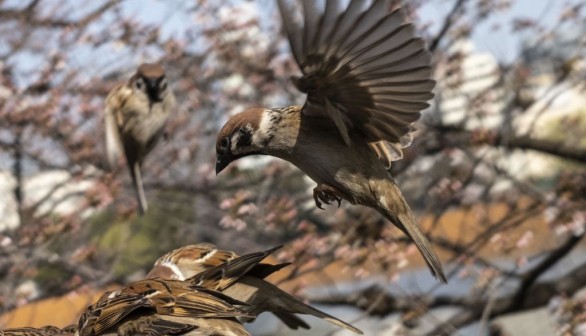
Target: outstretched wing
(363, 67)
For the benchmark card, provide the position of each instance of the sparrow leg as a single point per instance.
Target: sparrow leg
(326, 193)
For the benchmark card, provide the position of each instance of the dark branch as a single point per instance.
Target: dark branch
(448, 22)
(528, 295)
(454, 136)
(557, 148)
(534, 295)
(530, 277)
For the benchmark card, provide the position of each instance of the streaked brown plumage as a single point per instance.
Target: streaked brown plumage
(135, 117)
(158, 304)
(262, 296)
(191, 306)
(43, 331)
(367, 77)
(175, 325)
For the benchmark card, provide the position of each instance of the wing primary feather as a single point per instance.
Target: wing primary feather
(409, 62)
(326, 24)
(292, 30)
(310, 26)
(343, 24)
(364, 27)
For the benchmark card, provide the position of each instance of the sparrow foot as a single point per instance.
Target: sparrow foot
(326, 193)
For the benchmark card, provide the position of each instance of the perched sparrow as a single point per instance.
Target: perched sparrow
(156, 304)
(190, 260)
(43, 331)
(159, 306)
(260, 295)
(367, 77)
(136, 114)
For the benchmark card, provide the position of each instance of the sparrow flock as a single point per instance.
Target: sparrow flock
(367, 76)
(195, 290)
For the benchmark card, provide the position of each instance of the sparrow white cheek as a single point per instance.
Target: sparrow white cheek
(177, 274)
(266, 128)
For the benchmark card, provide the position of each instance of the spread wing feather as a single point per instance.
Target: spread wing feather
(363, 67)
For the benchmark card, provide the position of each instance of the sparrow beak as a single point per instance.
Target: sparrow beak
(222, 161)
(153, 89)
(225, 156)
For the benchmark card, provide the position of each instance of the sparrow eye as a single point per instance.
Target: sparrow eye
(224, 142)
(138, 84)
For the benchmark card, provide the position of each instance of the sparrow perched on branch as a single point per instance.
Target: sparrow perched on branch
(135, 117)
(159, 306)
(367, 76)
(260, 295)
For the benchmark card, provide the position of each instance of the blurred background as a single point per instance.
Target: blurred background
(496, 174)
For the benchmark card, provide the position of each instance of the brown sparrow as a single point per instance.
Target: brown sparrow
(367, 76)
(157, 306)
(251, 288)
(190, 260)
(43, 331)
(135, 117)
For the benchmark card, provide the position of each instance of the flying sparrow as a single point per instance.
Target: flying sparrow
(367, 76)
(135, 117)
(43, 331)
(261, 296)
(158, 306)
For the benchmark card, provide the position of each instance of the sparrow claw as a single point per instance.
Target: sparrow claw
(325, 198)
(326, 194)
(316, 199)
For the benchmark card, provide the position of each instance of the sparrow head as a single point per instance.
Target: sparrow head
(150, 80)
(189, 260)
(239, 138)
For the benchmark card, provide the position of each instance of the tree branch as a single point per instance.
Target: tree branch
(556, 148)
(533, 295)
(527, 296)
(531, 276)
(448, 22)
(454, 136)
